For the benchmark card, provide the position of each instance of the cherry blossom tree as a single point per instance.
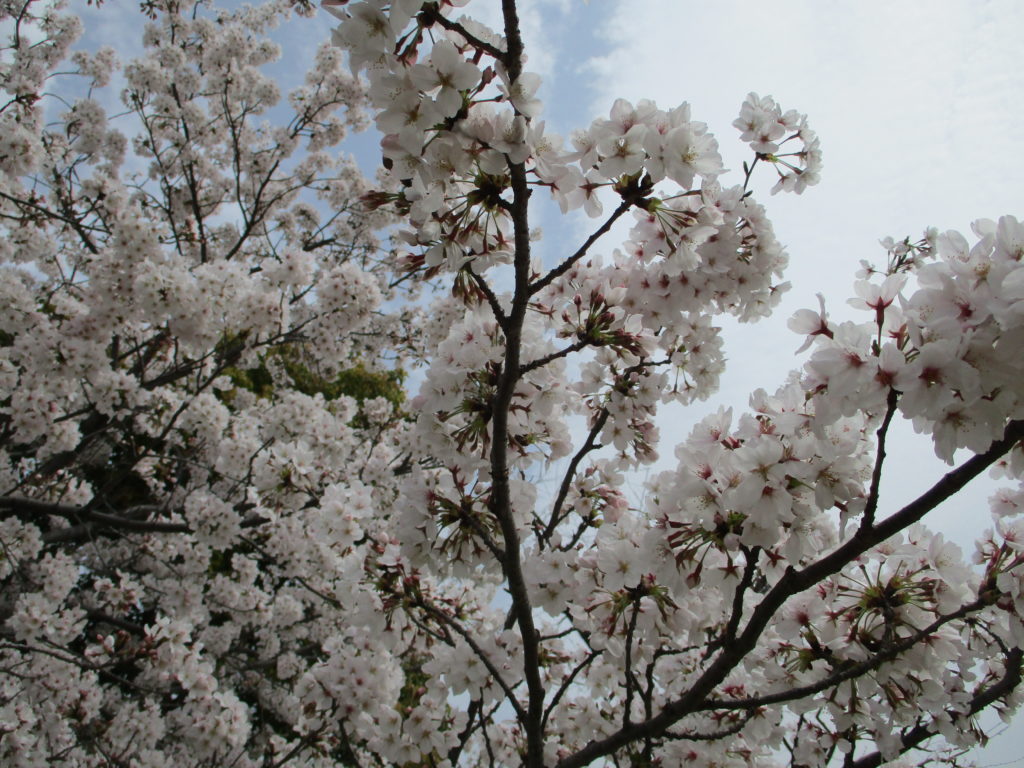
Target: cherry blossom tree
(228, 540)
(201, 364)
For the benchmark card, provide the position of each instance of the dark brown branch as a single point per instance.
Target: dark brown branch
(70, 221)
(99, 617)
(631, 685)
(563, 491)
(300, 745)
(501, 496)
(484, 535)
(741, 590)
(732, 730)
(566, 265)
(540, 362)
(876, 473)
(475, 708)
(89, 521)
(448, 621)
(492, 300)
(846, 673)
(312, 246)
(91, 429)
(431, 13)
(78, 534)
(566, 682)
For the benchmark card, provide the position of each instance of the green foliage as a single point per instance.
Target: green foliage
(256, 380)
(356, 382)
(415, 681)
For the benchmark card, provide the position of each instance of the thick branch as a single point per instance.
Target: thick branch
(501, 497)
(98, 521)
(89, 520)
(628, 663)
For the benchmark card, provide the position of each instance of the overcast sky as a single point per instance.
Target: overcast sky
(918, 104)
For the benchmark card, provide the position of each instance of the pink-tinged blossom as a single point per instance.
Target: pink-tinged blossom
(1009, 244)
(623, 153)
(811, 323)
(936, 378)
(761, 123)
(878, 298)
(445, 77)
(521, 93)
(684, 152)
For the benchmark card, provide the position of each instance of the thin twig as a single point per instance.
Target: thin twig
(590, 444)
(876, 474)
(492, 300)
(566, 265)
(540, 362)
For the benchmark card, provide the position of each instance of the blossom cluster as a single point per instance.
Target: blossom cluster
(948, 348)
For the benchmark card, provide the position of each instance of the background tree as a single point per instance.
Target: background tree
(195, 354)
(225, 545)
